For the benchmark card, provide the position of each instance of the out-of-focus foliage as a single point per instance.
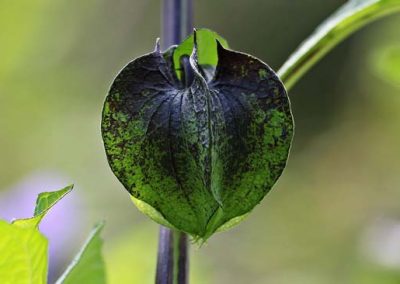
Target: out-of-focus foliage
(88, 265)
(24, 249)
(386, 63)
(323, 222)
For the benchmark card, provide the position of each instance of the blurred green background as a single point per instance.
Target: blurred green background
(333, 217)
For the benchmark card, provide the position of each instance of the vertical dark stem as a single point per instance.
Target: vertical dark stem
(177, 21)
(182, 259)
(172, 258)
(165, 257)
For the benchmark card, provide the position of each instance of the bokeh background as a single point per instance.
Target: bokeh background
(333, 217)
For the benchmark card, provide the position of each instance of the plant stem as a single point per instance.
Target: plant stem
(349, 18)
(181, 261)
(177, 21)
(165, 257)
(172, 258)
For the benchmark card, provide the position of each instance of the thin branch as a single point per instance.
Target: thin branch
(347, 19)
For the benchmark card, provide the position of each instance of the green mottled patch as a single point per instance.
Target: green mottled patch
(262, 73)
(197, 154)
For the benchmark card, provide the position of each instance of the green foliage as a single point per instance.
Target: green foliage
(88, 265)
(386, 63)
(24, 250)
(46, 200)
(23, 253)
(198, 152)
(207, 50)
(352, 16)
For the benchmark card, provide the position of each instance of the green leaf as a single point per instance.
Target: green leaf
(44, 202)
(23, 249)
(88, 265)
(201, 151)
(207, 50)
(347, 19)
(23, 255)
